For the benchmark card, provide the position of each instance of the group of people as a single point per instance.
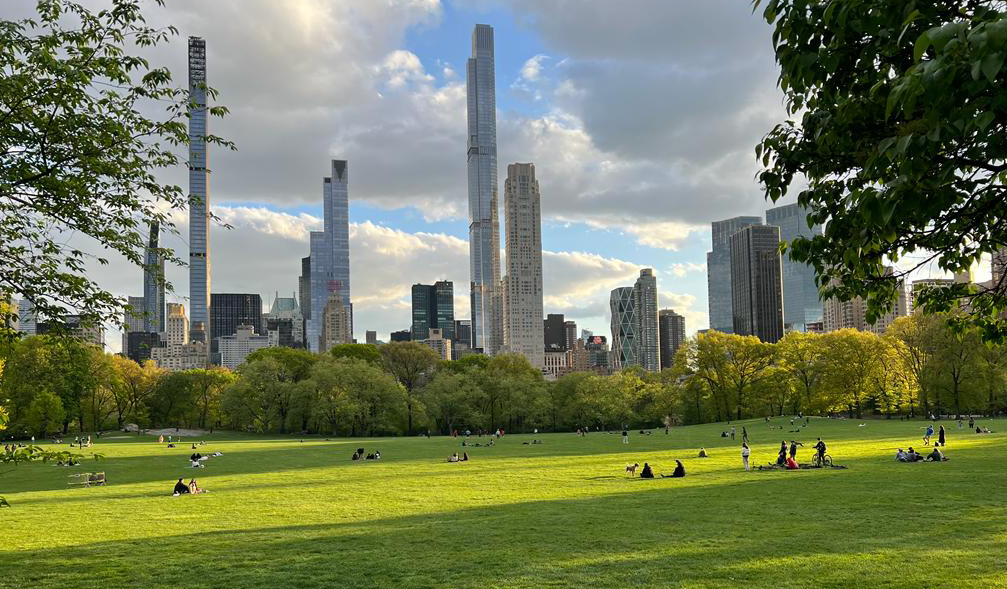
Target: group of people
(648, 472)
(360, 455)
(454, 457)
(941, 436)
(913, 456)
(183, 489)
(487, 444)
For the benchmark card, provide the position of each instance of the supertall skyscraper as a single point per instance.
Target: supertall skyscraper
(718, 272)
(153, 283)
(330, 254)
(757, 282)
(800, 293)
(523, 329)
(484, 225)
(199, 192)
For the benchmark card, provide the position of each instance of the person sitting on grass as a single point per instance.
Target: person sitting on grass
(781, 458)
(702, 453)
(646, 473)
(377, 455)
(913, 455)
(356, 456)
(901, 456)
(678, 473)
(194, 487)
(936, 456)
(792, 464)
(453, 457)
(465, 457)
(180, 488)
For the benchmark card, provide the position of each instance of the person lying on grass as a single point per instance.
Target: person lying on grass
(936, 456)
(792, 464)
(453, 457)
(646, 473)
(678, 473)
(180, 488)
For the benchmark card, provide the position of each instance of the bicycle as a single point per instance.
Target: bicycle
(817, 461)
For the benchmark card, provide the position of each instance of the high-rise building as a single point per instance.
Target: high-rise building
(199, 190)
(801, 304)
(672, 326)
(27, 323)
(484, 224)
(231, 310)
(852, 314)
(555, 332)
(73, 326)
(285, 318)
(635, 334)
(236, 347)
(304, 294)
(337, 324)
(404, 335)
(433, 308)
(598, 355)
(757, 282)
(153, 283)
(463, 332)
(330, 253)
(570, 333)
(523, 283)
(140, 344)
(133, 319)
(718, 272)
(436, 341)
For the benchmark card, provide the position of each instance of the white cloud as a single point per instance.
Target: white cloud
(680, 269)
(532, 68)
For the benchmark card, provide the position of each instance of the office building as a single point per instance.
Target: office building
(599, 357)
(133, 319)
(139, 345)
(718, 272)
(153, 283)
(337, 324)
(556, 364)
(462, 342)
(177, 353)
(330, 253)
(757, 282)
(27, 323)
(433, 308)
(285, 318)
(635, 333)
(570, 332)
(231, 310)
(400, 336)
(523, 283)
(801, 304)
(371, 337)
(436, 341)
(484, 224)
(304, 295)
(852, 314)
(73, 326)
(672, 327)
(199, 192)
(235, 348)
(555, 332)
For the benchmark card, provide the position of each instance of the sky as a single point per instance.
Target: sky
(641, 118)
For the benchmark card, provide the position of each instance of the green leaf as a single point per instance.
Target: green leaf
(984, 120)
(922, 43)
(991, 65)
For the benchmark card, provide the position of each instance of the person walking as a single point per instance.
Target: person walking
(625, 436)
(732, 432)
(940, 437)
(745, 453)
(926, 437)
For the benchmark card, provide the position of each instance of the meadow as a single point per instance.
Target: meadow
(282, 512)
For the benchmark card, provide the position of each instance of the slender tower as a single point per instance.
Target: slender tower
(329, 262)
(199, 194)
(484, 225)
(523, 327)
(153, 283)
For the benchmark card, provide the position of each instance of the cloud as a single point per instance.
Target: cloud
(680, 269)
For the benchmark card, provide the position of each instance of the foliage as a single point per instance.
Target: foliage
(409, 363)
(902, 139)
(365, 352)
(78, 156)
(45, 414)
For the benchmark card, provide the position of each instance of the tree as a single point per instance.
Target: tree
(45, 414)
(207, 386)
(357, 394)
(731, 365)
(78, 156)
(957, 360)
(917, 334)
(365, 352)
(851, 370)
(132, 388)
(409, 363)
(902, 140)
(802, 355)
(452, 400)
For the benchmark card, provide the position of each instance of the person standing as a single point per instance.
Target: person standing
(926, 437)
(745, 453)
(625, 436)
(732, 432)
(793, 448)
(744, 434)
(940, 436)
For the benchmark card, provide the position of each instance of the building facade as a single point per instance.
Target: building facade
(622, 305)
(337, 324)
(801, 304)
(436, 341)
(133, 319)
(757, 282)
(199, 190)
(852, 314)
(231, 310)
(330, 253)
(153, 283)
(554, 332)
(523, 283)
(570, 334)
(672, 326)
(433, 308)
(177, 353)
(73, 326)
(404, 335)
(140, 345)
(484, 223)
(635, 334)
(371, 337)
(718, 272)
(236, 347)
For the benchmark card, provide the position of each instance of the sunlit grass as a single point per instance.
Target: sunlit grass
(282, 512)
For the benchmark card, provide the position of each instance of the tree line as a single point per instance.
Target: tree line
(920, 366)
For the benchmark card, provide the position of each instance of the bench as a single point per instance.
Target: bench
(87, 479)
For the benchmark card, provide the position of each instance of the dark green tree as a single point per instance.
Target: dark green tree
(899, 129)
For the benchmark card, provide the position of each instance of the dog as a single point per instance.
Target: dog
(631, 469)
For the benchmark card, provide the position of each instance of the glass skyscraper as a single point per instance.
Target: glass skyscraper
(199, 201)
(153, 283)
(801, 304)
(718, 272)
(433, 308)
(636, 338)
(756, 282)
(484, 226)
(330, 253)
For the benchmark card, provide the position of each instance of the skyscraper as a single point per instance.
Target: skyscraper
(523, 283)
(757, 282)
(636, 339)
(718, 272)
(153, 283)
(330, 253)
(800, 293)
(554, 332)
(570, 334)
(199, 190)
(433, 308)
(484, 225)
(672, 326)
(133, 319)
(852, 314)
(231, 311)
(304, 291)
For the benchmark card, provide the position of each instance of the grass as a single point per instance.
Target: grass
(286, 513)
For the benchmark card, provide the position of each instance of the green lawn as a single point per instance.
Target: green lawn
(286, 513)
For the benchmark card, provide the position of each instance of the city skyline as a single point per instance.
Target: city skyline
(553, 108)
